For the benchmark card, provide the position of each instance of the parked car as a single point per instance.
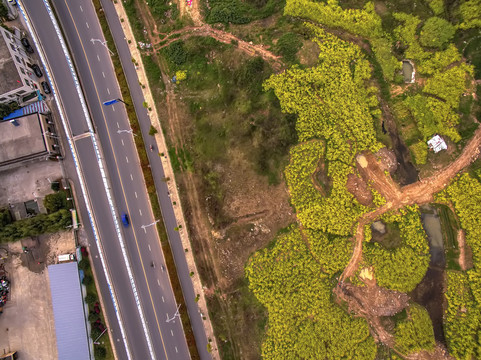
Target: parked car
(125, 219)
(36, 70)
(46, 87)
(26, 45)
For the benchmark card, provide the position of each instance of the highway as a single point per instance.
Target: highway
(183, 270)
(143, 318)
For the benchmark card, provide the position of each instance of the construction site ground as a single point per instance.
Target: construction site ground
(27, 323)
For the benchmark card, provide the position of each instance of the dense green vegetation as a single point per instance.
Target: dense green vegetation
(415, 333)
(403, 267)
(463, 315)
(470, 11)
(436, 33)
(37, 225)
(314, 94)
(304, 323)
(428, 48)
(240, 12)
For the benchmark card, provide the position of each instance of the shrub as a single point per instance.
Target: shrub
(90, 298)
(93, 317)
(228, 12)
(436, 33)
(419, 152)
(152, 130)
(55, 185)
(288, 45)
(176, 52)
(100, 352)
(84, 264)
(181, 75)
(87, 280)
(95, 333)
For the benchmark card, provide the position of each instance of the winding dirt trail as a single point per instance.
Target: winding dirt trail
(222, 36)
(396, 197)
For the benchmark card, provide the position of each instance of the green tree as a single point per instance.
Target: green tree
(5, 217)
(55, 202)
(437, 6)
(436, 33)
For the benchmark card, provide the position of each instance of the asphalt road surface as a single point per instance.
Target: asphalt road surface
(183, 270)
(143, 246)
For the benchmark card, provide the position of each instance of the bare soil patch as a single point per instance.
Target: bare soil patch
(257, 211)
(379, 301)
(358, 187)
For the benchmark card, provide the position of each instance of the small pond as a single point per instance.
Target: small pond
(429, 292)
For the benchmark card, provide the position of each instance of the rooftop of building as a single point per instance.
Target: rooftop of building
(68, 310)
(9, 77)
(26, 139)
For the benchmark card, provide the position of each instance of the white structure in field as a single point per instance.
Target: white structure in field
(437, 144)
(16, 77)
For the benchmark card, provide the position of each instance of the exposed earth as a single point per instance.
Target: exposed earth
(27, 322)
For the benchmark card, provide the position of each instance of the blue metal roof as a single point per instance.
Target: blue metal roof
(36, 107)
(68, 310)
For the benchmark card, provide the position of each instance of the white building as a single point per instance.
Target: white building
(437, 144)
(16, 77)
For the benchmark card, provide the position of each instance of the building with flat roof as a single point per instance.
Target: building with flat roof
(27, 134)
(69, 312)
(16, 76)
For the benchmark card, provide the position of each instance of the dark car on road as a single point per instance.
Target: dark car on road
(125, 219)
(46, 87)
(36, 70)
(26, 45)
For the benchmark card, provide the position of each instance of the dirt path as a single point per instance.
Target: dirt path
(222, 36)
(461, 238)
(420, 192)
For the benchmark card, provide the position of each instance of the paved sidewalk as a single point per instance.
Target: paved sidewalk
(169, 173)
